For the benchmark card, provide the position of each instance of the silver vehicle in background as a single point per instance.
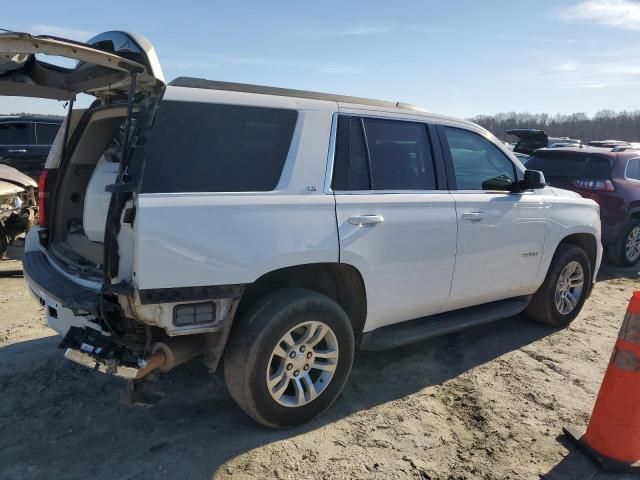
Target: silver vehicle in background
(18, 208)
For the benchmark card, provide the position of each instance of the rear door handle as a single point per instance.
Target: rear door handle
(362, 220)
(474, 216)
(17, 150)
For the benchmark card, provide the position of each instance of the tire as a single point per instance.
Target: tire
(617, 253)
(251, 359)
(4, 242)
(543, 307)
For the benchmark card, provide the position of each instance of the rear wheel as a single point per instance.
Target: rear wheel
(561, 297)
(4, 242)
(289, 357)
(625, 252)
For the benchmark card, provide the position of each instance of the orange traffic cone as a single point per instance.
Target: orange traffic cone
(612, 437)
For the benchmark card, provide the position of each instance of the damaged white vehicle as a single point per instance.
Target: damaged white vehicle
(278, 229)
(18, 207)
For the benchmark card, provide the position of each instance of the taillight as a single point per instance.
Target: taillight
(46, 184)
(592, 184)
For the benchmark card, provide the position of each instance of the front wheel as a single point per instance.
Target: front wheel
(289, 357)
(563, 293)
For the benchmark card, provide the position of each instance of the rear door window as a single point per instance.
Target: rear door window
(400, 155)
(571, 165)
(205, 147)
(380, 154)
(15, 133)
(46, 133)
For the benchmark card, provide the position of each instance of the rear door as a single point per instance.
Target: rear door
(25, 144)
(16, 138)
(500, 234)
(396, 223)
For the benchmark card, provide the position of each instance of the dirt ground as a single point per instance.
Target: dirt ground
(486, 403)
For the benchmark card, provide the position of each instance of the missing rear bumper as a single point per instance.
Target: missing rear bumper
(99, 353)
(106, 366)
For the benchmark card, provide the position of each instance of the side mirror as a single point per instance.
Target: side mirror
(533, 179)
(499, 184)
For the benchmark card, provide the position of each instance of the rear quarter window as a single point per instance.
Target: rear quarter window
(571, 165)
(633, 169)
(204, 147)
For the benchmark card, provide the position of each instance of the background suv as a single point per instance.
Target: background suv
(611, 177)
(530, 139)
(25, 142)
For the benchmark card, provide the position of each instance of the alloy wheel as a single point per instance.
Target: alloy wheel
(632, 246)
(302, 364)
(569, 287)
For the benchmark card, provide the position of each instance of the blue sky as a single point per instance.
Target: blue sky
(460, 57)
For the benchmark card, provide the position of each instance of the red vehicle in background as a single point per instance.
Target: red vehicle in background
(611, 177)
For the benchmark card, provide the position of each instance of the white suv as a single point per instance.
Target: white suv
(279, 229)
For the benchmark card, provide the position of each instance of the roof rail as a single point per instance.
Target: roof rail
(192, 82)
(623, 148)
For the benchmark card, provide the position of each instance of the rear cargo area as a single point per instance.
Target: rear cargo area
(81, 202)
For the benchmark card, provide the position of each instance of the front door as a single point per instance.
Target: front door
(394, 225)
(500, 233)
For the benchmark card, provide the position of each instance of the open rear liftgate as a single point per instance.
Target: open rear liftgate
(113, 67)
(93, 349)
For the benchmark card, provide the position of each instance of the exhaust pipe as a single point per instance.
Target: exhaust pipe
(175, 351)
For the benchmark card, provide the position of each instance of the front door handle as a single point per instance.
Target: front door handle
(474, 216)
(17, 150)
(362, 220)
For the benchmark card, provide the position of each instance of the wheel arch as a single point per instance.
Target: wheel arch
(587, 242)
(341, 282)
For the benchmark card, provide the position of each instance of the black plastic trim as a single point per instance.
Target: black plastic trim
(446, 155)
(69, 294)
(189, 294)
(438, 158)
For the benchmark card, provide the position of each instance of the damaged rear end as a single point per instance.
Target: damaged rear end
(80, 259)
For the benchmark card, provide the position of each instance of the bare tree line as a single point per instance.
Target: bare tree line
(23, 114)
(604, 125)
